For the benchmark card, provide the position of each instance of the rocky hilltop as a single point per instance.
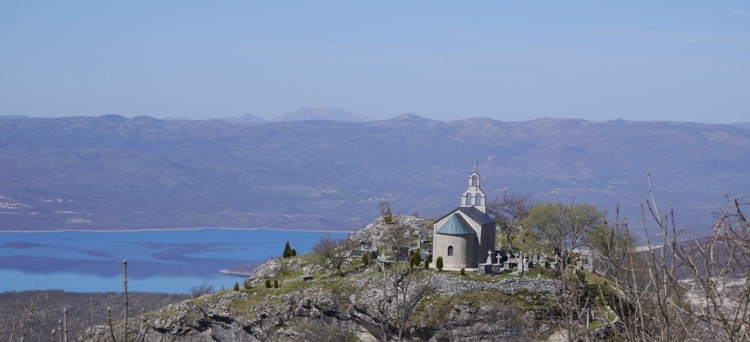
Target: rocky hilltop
(302, 298)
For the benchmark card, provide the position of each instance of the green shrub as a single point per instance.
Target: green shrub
(294, 252)
(581, 275)
(236, 286)
(416, 258)
(287, 250)
(268, 283)
(439, 263)
(276, 283)
(463, 271)
(247, 285)
(388, 216)
(366, 259)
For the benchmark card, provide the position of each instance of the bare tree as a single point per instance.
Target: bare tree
(400, 289)
(199, 290)
(612, 242)
(572, 305)
(399, 237)
(720, 271)
(684, 288)
(409, 288)
(32, 316)
(562, 228)
(509, 210)
(334, 252)
(398, 295)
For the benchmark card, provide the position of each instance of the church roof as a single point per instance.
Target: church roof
(473, 213)
(477, 215)
(456, 226)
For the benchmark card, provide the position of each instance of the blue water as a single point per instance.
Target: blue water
(171, 261)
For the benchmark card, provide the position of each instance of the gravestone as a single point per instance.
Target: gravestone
(521, 264)
(486, 268)
(589, 266)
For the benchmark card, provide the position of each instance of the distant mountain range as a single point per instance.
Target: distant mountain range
(301, 114)
(307, 114)
(322, 113)
(111, 172)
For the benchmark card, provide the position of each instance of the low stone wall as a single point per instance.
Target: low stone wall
(509, 286)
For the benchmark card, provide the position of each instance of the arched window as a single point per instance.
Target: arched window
(450, 250)
(474, 181)
(479, 200)
(468, 199)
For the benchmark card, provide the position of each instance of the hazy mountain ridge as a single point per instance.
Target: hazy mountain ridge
(321, 113)
(111, 172)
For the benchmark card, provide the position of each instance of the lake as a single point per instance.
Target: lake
(170, 261)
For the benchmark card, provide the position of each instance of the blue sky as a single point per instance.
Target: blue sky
(446, 60)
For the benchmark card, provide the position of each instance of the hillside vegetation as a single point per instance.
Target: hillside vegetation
(368, 303)
(677, 290)
(33, 315)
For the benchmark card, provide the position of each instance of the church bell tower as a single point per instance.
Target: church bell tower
(474, 196)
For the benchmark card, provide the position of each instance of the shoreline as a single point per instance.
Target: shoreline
(237, 273)
(170, 230)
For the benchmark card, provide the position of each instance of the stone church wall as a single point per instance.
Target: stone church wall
(464, 251)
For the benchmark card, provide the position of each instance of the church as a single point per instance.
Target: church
(463, 236)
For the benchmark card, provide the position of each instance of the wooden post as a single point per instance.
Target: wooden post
(125, 291)
(65, 325)
(109, 322)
